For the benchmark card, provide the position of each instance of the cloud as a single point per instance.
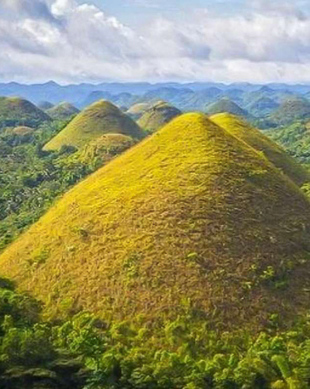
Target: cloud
(67, 41)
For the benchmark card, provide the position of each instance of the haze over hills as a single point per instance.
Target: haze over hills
(192, 213)
(292, 109)
(96, 120)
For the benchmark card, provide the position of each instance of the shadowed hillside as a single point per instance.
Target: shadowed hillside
(253, 137)
(98, 119)
(15, 111)
(157, 116)
(191, 215)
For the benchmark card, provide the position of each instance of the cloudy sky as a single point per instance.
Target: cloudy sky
(155, 40)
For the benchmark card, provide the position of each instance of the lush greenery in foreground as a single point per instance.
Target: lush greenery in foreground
(85, 352)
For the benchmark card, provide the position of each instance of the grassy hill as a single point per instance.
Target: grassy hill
(98, 119)
(157, 116)
(291, 110)
(225, 105)
(15, 111)
(260, 142)
(190, 219)
(62, 111)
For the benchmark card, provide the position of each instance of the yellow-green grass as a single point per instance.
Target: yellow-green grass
(96, 120)
(62, 111)
(15, 111)
(104, 148)
(190, 217)
(157, 116)
(253, 137)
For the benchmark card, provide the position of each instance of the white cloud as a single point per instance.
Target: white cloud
(61, 40)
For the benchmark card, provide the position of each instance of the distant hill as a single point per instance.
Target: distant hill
(96, 120)
(263, 106)
(44, 105)
(225, 105)
(157, 116)
(15, 111)
(256, 139)
(62, 111)
(290, 110)
(191, 220)
(137, 110)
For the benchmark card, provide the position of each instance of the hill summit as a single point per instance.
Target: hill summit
(225, 105)
(190, 217)
(157, 116)
(96, 120)
(15, 111)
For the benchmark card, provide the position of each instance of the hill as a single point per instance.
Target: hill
(262, 106)
(137, 110)
(260, 142)
(98, 119)
(15, 111)
(44, 105)
(225, 105)
(22, 131)
(62, 111)
(157, 116)
(291, 110)
(102, 149)
(190, 219)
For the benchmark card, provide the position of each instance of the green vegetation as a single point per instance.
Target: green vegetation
(295, 139)
(98, 119)
(15, 111)
(31, 179)
(62, 111)
(157, 116)
(190, 214)
(242, 130)
(85, 352)
(291, 110)
(225, 105)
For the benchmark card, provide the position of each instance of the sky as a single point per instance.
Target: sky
(73, 41)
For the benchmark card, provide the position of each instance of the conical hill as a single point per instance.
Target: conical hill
(62, 111)
(190, 217)
(255, 138)
(96, 120)
(157, 116)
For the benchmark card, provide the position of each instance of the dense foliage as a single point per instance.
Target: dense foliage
(31, 179)
(85, 352)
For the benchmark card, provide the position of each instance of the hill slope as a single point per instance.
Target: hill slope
(260, 142)
(62, 111)
(157, 116)
(98, 119)
(192, 216)
(15, 111)
(225, 105)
